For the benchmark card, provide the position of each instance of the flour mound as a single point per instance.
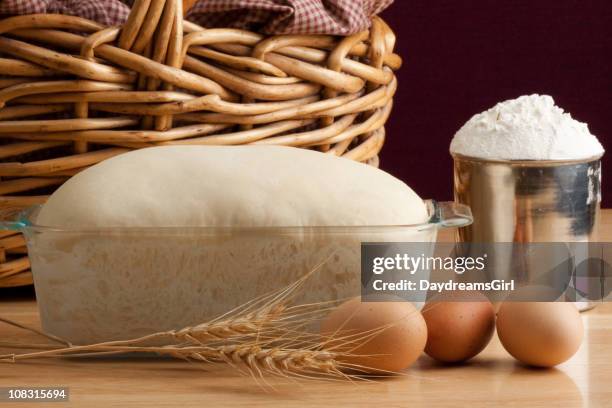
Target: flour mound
(530, 127)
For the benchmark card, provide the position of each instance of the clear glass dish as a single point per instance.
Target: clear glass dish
(111, 283)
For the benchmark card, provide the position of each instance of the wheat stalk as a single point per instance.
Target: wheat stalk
(277, 361)
(271, 356)
(311, 360)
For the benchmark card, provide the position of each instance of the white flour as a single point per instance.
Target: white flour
(530, 127)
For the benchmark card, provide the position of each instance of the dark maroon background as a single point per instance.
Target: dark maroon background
(462, 57)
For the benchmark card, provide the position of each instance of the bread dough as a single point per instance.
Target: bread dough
(231, 186)
(96, 284)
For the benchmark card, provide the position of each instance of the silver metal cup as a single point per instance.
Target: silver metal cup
(529, 201)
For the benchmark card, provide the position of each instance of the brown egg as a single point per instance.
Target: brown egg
(460, 329)
(392, 349)
(541, 334)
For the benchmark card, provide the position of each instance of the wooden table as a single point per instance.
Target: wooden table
(491, 379)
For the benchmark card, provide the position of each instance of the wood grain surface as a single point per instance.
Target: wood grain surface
(491, 379)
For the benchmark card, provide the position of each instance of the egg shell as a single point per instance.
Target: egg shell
(541, 334)
(396, 347)
(458, 330)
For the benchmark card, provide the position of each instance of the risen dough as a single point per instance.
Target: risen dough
(95, 286)
(231, 186)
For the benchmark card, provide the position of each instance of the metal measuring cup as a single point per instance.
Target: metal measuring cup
(529, 201)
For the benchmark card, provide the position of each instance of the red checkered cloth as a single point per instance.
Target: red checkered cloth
(106, 12)
(339, 17)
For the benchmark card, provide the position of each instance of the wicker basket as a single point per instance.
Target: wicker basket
(73, 93)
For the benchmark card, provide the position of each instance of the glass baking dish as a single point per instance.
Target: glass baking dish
(103, 284)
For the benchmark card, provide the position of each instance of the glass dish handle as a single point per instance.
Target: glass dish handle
(449, 214)
(13, 218)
